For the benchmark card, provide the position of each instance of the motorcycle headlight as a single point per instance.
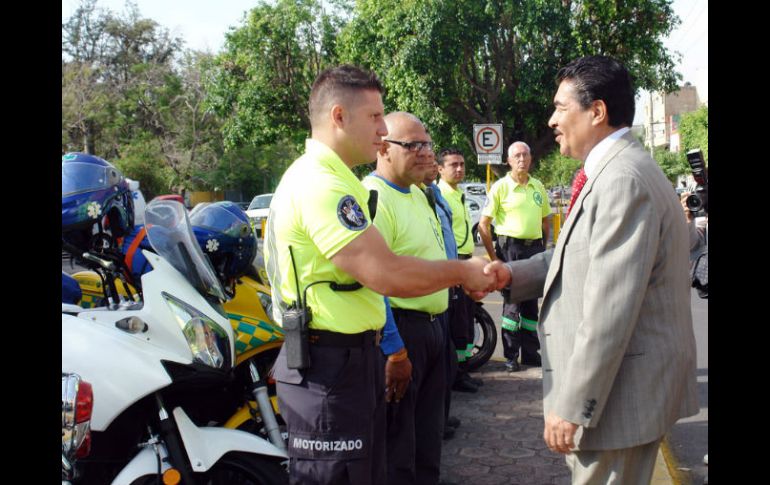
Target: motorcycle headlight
(267, 304)
(209, 343)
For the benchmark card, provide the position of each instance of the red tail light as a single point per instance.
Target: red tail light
(85, 447)
(84, 403)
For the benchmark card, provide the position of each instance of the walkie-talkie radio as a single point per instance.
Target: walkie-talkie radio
(295, 321)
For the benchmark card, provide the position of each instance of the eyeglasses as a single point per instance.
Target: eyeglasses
(413, 146)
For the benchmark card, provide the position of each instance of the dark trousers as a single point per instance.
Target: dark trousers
(415, 425)
(461, 309)
(450, 361)
(508, 249)
(335, 415)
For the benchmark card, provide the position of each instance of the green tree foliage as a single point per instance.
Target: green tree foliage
(255, 170)
(176, 119)
(456, 63)
(694, 131)
(556, 170)
(139, 161)
(673, 164)
(132, 95)
(262, 79)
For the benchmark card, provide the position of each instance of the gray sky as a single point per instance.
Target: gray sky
(203, 24)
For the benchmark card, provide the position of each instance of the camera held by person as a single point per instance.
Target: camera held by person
(698, 200)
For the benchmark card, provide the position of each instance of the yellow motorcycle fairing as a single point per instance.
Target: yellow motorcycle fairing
(93, 292)
(254, 329)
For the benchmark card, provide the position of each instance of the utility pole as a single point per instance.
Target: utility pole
(649, 129)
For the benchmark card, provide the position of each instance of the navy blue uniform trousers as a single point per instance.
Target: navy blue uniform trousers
(415, 425)
(335, 415)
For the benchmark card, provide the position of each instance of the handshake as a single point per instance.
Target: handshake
(483, 277)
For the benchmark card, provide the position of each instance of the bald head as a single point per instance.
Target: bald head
(398, 164)
(399, 121)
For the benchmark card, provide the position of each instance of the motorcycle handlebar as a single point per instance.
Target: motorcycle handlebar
(109, 266)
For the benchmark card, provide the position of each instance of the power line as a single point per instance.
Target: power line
(695, 42)
(681, 38)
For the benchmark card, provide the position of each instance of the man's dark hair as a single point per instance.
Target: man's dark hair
(446, 152)
(335, 83)
(601, 77)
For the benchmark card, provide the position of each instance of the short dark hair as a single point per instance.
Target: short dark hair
(602, 77)
(446, 152)
(334, 83)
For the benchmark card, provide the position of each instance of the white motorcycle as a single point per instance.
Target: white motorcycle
(160, 369)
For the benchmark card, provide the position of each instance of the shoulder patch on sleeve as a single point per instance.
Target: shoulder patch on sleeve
(350, 214)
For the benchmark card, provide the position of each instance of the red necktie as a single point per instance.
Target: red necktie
(577, 186)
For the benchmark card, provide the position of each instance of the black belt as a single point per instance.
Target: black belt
(464, 256)
(414, 314)
(523, 242)
(326, 338)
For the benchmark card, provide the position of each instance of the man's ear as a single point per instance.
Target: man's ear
(383, 150)
(599, 111)
(338, 115)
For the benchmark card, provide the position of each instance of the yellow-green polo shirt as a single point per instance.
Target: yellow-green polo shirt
(517, 210)
(461, 221)
(318, 208)
(410, 228)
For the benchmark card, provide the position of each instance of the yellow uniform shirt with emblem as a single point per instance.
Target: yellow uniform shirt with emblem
(517, 210)
(410, 228)
(461, 221)
(318, 208)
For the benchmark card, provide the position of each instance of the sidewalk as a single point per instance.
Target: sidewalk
(500, 438)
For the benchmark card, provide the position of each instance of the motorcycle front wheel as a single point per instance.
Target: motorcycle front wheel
(245, 469)
(236, 468)
(484, 339)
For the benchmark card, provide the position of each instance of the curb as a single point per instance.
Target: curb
(675, 474)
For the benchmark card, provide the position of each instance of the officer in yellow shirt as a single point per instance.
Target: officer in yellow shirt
(519, 205)
(452, 170)
(329, 267)
(411, 227)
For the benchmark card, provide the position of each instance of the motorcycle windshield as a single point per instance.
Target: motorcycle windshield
(171, 236)
(84, 177)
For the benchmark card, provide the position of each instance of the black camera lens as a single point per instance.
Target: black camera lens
(694, 203)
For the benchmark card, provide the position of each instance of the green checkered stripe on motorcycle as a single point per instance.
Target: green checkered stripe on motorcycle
(252, 333)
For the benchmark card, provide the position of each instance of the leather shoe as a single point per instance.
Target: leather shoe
(475, 381)
(512, 366)
(464, 386)
(453, 421)
(449, 432)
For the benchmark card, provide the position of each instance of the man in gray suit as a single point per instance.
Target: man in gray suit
(616, 329)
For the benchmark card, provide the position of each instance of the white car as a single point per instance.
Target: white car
(477, 189)
(258, 210)
(475, 198)
(474, 205)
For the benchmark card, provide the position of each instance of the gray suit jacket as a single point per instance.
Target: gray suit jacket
(615, 324)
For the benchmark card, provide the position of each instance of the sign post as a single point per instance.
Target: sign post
(488, 140)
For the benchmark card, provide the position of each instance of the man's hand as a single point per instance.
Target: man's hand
(476, 281)
(559, 434)
(501, 272)
(683, 200)
(398, 373)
